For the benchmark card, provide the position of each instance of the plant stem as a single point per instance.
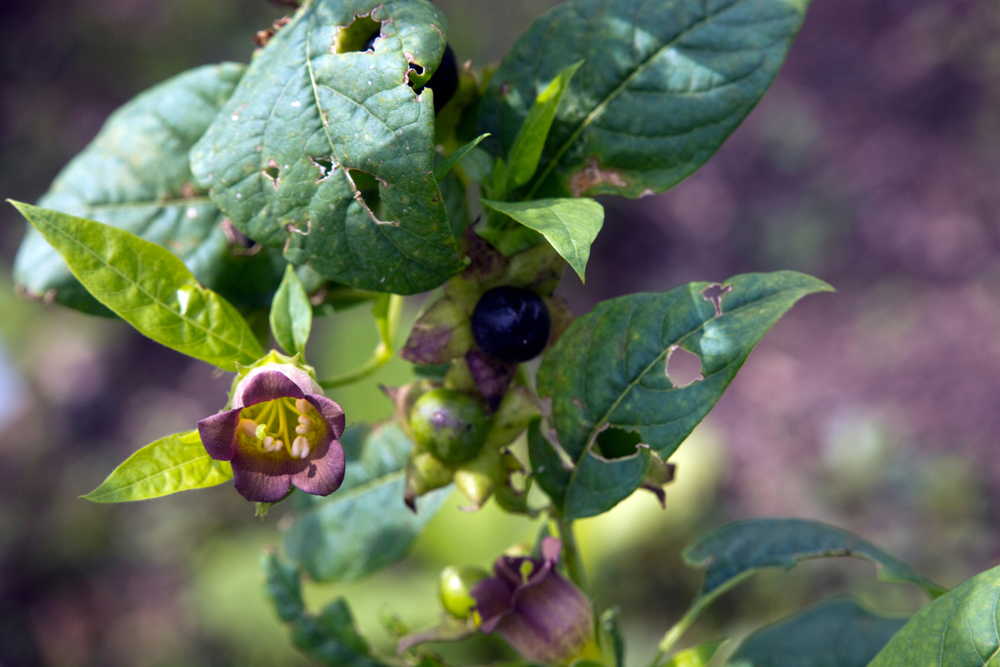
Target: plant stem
(387, 311)
(571, 554)
(689, 617)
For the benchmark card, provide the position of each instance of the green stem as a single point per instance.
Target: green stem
(689, 617)
(571, 554)
(387, 310)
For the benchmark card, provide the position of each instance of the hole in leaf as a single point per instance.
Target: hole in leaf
(365, 185)
(714, 293)
(683, 367)
(324, 165)
(360, 35)
(272, 173)
(614, 443)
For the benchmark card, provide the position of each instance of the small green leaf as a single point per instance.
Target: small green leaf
(149, 288)
(291, 314)
(835, 633)
(442, 169)
(522, 160)
(696, 656)
(570, 225)
(611, 638)
(548, 468)
(330, 638)
(959, 629)
(175, 463)
(365, 526)
(736, 549)
(598, 484)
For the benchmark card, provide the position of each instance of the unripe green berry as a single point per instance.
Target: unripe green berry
(448, 424)
(456, 587)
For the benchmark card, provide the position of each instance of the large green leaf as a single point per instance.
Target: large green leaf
(570, 225)
(836, 633)
(149, 288)
(329, 638)
(363, 527)
(609, 368)
(135, 175)
(663, 84)
(175, 463)
(291, 314)
(330, 155)
(732, 551)
(959, 629)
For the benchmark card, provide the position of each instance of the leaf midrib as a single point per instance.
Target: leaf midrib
(163, 471)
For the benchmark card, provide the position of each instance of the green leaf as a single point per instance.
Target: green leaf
(446, 165)
(609, 368)
(291, 314)
(526, 151)
(959, 629)
(737, 549)
(149, 288)
(330, 155)
(696, 656)
(175, 463)
(365, 526)
(570, 225)
(663, 86)
(549, 469)
(329, 638)
(835, 633)
(135, 175)
(611, 638)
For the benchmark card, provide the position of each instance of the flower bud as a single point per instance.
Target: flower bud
(455, 588)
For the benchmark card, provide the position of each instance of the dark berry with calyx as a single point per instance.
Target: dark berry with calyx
(511, 323)
(444, 81)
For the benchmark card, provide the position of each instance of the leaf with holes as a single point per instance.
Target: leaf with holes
(734, 551)
(291, 314)
(959, 629)
(326, 151)
(835, 633)
(663, 85)
(365, 526)
(329, 638)
(135, 175)
(149, 288)
(570, 225)
(609, 368)
(175, 463)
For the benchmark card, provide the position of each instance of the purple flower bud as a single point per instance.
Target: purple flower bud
(542, 615)
(279, 431)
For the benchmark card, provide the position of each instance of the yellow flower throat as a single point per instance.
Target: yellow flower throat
(288, 424)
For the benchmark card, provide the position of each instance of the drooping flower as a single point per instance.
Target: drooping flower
(545, 617)
(279, 430)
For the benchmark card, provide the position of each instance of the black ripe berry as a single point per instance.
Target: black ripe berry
(511, 323)
(444, 81)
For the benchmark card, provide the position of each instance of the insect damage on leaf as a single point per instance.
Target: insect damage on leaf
(592, 175)
(360, 35)
(683, 367)
(714, 293)
(272, 173)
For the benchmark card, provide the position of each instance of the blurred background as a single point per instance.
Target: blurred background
(873, 163)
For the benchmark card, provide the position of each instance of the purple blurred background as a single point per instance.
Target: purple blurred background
(872, 163)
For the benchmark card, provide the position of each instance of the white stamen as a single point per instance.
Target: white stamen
(302, 430)
(278, 444)
(268, 444)
(300, 447)
(249, 427)
(302, 406)
(305, 421)
(305, 425)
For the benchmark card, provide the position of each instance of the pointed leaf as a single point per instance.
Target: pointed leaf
(735, 549)
(835, 633)
(444, 168)
(291, 314)
(175, 463)
(325, 150)
(149, 288)
(664, 84)
(570, 225)
(959, 629)
(365, 526)
(522, 161)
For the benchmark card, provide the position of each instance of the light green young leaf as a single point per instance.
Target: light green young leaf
(664, 84)
(570, 225)
(149, 288)
(609, 368)
(175, 463)
(526, 151)
(330, 638)
(835, 633)
(325, 151)
(442, 169)
(363, 527)
(735, 549)
(696, 656)
(291, 314)
(959, 629)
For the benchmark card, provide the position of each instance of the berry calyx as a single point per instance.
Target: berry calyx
(511, 323)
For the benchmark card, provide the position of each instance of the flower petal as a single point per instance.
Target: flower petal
(263, 479)
(440, 334)
(494, 600)
(332, 413)
(324, 474)
(218, 434)
(491, 375)
(269, 385)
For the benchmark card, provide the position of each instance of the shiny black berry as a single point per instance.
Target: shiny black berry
(444, 81)
(511, 323)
